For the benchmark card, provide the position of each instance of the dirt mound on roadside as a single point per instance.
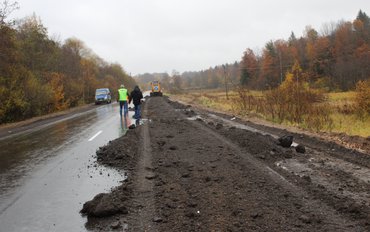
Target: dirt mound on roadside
(120, 153)
(264, 147)
(104, 205)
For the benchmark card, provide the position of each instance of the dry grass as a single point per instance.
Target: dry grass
(337, 111)
(344, 115)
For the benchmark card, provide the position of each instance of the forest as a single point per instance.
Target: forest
(334, 59)
(40, 75)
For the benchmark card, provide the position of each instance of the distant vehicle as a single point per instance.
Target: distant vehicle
(156, 89)
(102, 96)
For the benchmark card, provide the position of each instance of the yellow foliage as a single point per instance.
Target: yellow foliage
(362, 98)
(57, 99)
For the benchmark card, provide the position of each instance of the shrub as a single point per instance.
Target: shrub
(246, 102)
(362, 98)
(318, 117)
(292, 100)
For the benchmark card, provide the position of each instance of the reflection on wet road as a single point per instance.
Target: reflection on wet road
(46, 174)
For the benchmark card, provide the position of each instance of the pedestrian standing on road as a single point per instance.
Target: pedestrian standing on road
(136, 96)
(123, 97)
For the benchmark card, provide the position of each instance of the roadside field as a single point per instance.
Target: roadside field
(344, 119)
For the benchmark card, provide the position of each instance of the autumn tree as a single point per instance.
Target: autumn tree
(38, 51)
(363, 98)
(6, 8)
(248, 67)
(39, 75)
(11, 73)
(269, 74)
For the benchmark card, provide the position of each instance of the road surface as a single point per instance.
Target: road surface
(47, 172)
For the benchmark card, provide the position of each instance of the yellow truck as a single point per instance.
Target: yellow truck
(156, 89)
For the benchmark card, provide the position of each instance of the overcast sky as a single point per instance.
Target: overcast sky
(183, 35)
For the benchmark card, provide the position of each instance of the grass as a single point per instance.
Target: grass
(351, 124)
(344, 118)
(341, 104)
(341, 96)
(341, 99)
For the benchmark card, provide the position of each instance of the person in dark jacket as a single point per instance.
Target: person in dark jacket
(136, 96)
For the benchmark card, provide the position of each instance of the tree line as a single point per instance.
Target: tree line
(40, 75)
(212, 78)
(334, 59)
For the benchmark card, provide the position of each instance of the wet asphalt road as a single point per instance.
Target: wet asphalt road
(47, 173)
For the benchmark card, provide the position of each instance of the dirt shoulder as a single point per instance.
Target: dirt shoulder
(358, 143)
(191, 171)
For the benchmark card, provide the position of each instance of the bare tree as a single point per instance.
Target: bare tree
(6, 8)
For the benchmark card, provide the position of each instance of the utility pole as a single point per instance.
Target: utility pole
(298, 106)
(227, 95)
(281, 68)
(83, 86)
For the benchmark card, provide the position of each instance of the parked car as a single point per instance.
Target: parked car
(102, 96)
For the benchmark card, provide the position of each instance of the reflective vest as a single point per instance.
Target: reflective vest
(122, 94)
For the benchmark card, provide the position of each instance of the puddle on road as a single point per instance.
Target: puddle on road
(194, 118)
(361, 173)
(294, 166)
(184, 110)
(145, 120)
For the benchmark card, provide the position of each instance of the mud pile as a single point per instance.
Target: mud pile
(122, 154)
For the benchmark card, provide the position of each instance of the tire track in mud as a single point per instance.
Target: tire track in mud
(143, 188)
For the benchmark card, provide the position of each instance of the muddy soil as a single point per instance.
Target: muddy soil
(189, 170)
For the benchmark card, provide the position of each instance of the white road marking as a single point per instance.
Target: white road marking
(92, 138)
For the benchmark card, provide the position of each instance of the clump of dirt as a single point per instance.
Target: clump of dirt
(285, 141)
(122, 152)
(104, 205)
